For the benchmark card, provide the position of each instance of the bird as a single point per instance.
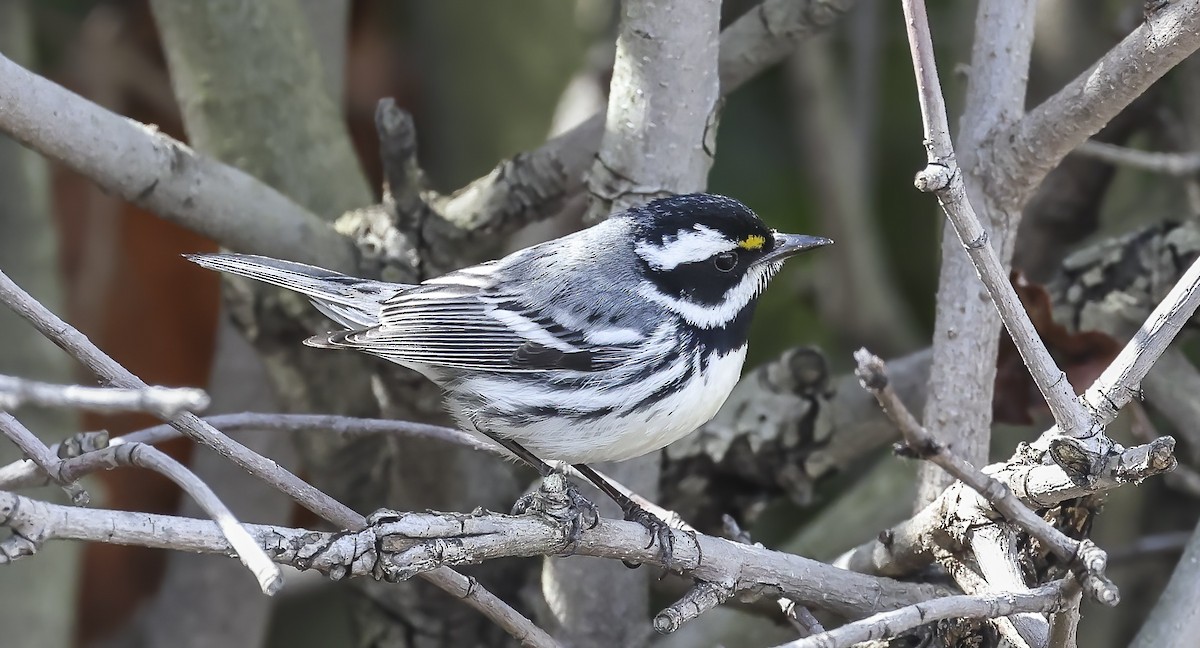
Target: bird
(602, 345)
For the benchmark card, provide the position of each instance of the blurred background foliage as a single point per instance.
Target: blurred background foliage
(826, 143)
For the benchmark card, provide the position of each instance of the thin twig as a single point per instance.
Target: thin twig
(103, 366)
(943, 178)
(163, 401)
(41, 456)
(890, 624)
(24, 474)
(700, 598)
(77, 345)
(1170, 542)
(1175, 164)
(1084, 557)
(151, 458)
(1121, 380)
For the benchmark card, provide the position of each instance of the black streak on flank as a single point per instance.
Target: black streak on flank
(532, 355)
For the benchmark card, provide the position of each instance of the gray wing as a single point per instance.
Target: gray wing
(464, 322)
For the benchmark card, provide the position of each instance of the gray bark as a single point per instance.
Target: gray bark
(251, 68)
(966, 332)
(659, 138)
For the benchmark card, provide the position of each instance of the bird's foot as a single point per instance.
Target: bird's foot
(660, 532)
(559, 499)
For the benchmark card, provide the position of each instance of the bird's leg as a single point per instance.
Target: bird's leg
(660, 531)
(556, 497)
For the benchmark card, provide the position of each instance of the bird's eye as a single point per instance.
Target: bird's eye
(725, 261)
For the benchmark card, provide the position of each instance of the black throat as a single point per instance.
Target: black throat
(722, 339)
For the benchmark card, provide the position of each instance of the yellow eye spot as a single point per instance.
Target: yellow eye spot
(752, 242)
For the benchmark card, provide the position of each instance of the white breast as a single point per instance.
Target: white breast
(615, 438)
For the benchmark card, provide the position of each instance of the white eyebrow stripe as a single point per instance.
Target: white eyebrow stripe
(688, 246)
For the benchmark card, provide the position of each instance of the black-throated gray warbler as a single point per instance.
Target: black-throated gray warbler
(602, 345)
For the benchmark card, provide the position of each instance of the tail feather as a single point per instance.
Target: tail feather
(349, 301)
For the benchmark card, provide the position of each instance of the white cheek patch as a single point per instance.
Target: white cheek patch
(732, 302)
(688, 246)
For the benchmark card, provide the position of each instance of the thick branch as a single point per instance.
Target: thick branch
(1175, 619)
(965, 328)
(533, 185)
(1024, 152)
(251, 88)
(151, 170)
(415, 542)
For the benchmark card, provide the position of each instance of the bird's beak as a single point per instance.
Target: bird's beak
(787, 245)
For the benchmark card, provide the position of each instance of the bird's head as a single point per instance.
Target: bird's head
(708, 257)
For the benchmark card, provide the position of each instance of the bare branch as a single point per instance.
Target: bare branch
(1065, 622)
(145, 456)
(997, 556)
(800, 617)
(702, 597)
(943, 178)
(1024, 152)
(77, 345)
(343, 425)
(660, 128)
(908, 546)
(1083, 557)
(41, 456)
(233, 65)
(768, 33)
(1121, 381)
(66, 472)
(151, 170)
(1174, 164)
(966, 327)
(414, 542)
(163, 401)
(889, 624)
